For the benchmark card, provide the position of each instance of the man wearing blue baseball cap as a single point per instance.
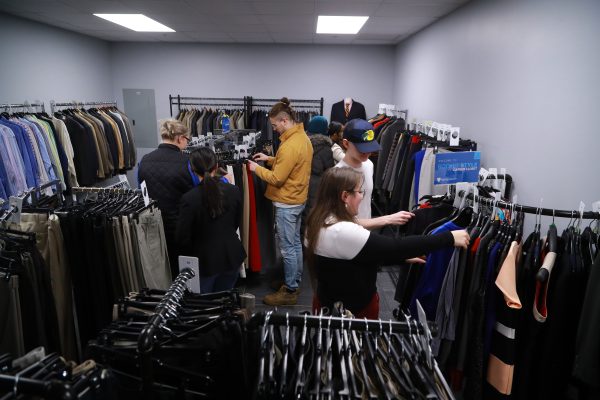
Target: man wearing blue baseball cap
(359, 141)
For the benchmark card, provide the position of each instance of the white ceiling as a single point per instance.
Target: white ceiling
(247, 21)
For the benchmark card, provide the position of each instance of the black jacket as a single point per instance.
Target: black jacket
(338, 113)
(213, 240)
(167, 177)
(321, 162)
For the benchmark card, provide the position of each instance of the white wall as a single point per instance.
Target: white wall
(522, 79)
(262, 71)
(46, 63)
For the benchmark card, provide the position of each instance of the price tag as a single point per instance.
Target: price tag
(596, 207)
(145, 193)
(515, 199)
(123, 178)
(208, 133)
(494, 171)
(497, 195)
(428, 128)
(581, 208)
(483, 174)
(454, 136)
(415, 123)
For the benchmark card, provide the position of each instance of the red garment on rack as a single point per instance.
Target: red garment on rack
(253, 244)
(381, 122)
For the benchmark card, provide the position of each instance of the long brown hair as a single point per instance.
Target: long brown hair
(329, 204)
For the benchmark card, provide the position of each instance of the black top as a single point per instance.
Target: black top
(353, 282)
(338, 113)
(167, 177)
(322, 160)
(85, 158)
(213, 240)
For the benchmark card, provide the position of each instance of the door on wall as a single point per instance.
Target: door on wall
(141, 109)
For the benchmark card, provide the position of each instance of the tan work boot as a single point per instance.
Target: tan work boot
(276, 285)
(281, 298)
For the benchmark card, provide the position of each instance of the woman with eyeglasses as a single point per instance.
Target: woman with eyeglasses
(168, 176)
(209, 218)
(343, 256)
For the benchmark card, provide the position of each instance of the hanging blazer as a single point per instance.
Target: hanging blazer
(338, 113)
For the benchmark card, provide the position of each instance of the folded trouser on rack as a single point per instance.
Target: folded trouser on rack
(152, 248)
(51, 244)
(11, 331)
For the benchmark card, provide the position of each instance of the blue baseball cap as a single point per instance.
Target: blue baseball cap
(362, 134)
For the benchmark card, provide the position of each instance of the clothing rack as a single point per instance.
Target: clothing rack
(78, 104)
(315, 103)
(52, 389)
(207, 101)
(534, 210)
(25, 105)
(146, 339)
(258, 319)
(59, 192)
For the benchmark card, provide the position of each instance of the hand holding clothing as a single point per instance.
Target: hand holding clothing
(461, 238)
(261, 157)
(399, 218)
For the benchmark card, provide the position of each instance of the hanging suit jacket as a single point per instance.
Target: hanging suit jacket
(338, 113)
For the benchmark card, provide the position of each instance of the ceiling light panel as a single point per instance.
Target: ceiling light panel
(340, 25)
(136, 22)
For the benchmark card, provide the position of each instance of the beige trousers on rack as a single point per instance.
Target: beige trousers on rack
(51, 244)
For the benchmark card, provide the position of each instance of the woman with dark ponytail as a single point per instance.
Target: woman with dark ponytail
(209, 217)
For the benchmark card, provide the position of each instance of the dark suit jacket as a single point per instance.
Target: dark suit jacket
(213, 240)
(338, 113)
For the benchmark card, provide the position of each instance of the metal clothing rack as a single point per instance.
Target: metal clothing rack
(79, 104)
(533, 210)
(313, 321)
(315, 103)
(25, 105)
(145, 345)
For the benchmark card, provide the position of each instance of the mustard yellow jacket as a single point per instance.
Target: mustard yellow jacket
(290, 168)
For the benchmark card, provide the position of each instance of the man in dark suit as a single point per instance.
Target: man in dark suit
(347, 110)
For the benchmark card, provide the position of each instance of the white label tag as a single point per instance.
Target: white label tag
(494, 171)
(415, 123)
(462, 186)
(454, 136)
(503, 172)
(497, 195)
(596, 207)
(145, 193)
(435, 131)
(208, 133)
(515, 199)
(581, 208)
(123, 178)
(483, 174)
(74, 197)
(428, 128)
(475, 202)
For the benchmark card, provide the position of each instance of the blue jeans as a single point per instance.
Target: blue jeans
(218, 283)
(288, 222)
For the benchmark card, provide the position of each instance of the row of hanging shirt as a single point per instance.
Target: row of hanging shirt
(204, 120)
(34, 150)
(98, 144)
(503, 322)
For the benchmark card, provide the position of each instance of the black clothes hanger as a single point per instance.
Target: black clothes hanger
(552, 241)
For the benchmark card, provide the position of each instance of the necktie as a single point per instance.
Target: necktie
(347, 109)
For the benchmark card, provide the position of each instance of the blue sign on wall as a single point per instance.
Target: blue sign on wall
(452, 168)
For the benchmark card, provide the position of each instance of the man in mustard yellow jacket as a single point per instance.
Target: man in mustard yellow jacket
(288, 189)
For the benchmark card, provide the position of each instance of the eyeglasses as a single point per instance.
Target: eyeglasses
(186, 138)
(362, 192)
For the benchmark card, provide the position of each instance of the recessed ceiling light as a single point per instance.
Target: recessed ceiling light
(136, 22)
(341, 25)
